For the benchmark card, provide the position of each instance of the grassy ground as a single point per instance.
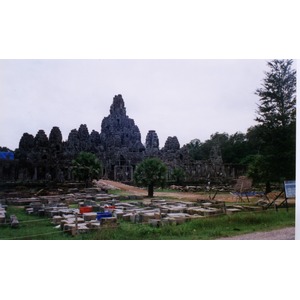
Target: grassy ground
(204, 229)
(39, 228)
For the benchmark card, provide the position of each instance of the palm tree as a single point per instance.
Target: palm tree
(150, 172)
(86, 167)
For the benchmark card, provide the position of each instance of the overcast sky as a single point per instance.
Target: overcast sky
(184, 98)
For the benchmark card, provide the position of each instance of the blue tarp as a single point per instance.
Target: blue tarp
(7, 155)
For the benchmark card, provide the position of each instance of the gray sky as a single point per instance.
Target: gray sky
(184, 98)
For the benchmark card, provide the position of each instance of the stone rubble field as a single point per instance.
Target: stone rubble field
(92, 209)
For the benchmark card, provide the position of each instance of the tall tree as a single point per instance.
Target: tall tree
(277, 107)
(276, 116)
(150, 172)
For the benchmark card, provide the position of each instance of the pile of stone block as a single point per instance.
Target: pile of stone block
(156, 212)
(49, 210)
(69, 198)
(201, 188)
(77, 223)
(162, 212)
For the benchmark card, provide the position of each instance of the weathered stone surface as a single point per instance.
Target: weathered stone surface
(56, 220)
(121, 141)
(172, 144)
(73, 229)
(89, 216)
(152, 143)
(94, 225)
(230, 211)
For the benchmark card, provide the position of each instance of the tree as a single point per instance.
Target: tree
(277, 106)
(276, 117)
(86, 167)
(150, 172)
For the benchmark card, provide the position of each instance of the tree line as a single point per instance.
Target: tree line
(267, 149)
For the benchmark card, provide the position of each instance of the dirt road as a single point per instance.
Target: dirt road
(278, 234)
(176, 195)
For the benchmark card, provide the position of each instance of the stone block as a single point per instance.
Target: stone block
(56, 220)
(154, 222)
(94, 225)
(14, 222)
(29, 211)
(119, 214)
(168, 221)
(134, 218)
(253, 208)
(230, 211)
(148, 216)
(127, 217)
(103, 198)
(89, 216)
(53, 213)
(92, 190)
(81, 228)
(204, 211)
(178, 209)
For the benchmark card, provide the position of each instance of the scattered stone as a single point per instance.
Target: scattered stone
(14, 222)
(230, 211)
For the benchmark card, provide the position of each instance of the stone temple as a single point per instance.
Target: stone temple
(118, 146)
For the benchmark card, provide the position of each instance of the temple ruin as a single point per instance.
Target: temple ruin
(118, 146)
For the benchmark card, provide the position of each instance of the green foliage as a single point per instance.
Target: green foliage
(86, 167)
(276, 115)
(277, 95)
(150, 172)
(258, 167)
(268, 149)
(234, 148)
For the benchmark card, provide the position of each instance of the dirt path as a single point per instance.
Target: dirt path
(124, 187)
(177, 195)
